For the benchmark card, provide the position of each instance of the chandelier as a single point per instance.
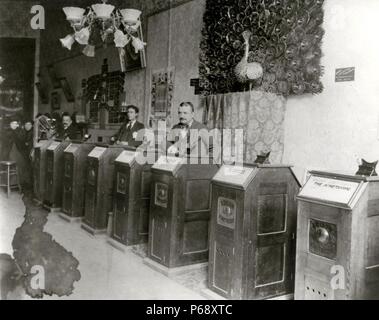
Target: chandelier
(123, 24)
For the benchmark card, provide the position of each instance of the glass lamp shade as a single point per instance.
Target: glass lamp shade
(89, 50)
(120, 39)
(130, 16)
(254, 70)
(74, 14)
(102, 11)
(68, 41)
(82, 36)
(137, 44)
(133, 28)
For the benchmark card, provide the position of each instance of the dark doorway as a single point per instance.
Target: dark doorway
(17, 59)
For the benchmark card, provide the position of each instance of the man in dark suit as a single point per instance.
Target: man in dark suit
(189, 137)
(28, 136)
(68, 131)
(131, 132)
(16, 151)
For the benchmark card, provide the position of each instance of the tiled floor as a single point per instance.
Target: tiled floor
(12, 212)
(106, 273)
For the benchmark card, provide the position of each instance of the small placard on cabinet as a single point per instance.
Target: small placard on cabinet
(330, 189)
(97, 152)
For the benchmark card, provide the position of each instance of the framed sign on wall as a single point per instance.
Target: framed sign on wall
(162, 88)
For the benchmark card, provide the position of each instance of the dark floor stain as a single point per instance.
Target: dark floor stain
(34, 247)
(10, 277)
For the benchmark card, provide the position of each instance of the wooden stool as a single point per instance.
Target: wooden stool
(9, 168)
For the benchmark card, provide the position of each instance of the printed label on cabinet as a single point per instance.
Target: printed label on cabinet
(226, 213)
(235, 175)
(97, 152)
(161, 195)
(328, 189)
(121, 183)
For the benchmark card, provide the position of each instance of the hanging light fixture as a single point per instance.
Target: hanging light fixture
(123, 24)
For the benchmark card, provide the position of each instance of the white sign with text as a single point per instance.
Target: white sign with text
(236, 175)
(328, 189)
(97, 152)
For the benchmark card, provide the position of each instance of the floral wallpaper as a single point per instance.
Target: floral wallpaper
(260, 114)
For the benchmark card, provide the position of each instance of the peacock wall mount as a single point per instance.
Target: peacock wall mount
(246, 71)
(272, 45)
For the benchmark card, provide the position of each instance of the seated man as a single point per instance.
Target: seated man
(193, 137)
(68, 131)
(130, 132)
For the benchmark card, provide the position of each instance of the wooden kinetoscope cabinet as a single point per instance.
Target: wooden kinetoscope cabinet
(131, 200)
(179, 211)
(99, 187)
(54, 174)
(74, 175)
(252, 233)
(39, 165)
(338, 238)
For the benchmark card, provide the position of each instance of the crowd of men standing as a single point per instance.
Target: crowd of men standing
(17, 145)
(17, 140)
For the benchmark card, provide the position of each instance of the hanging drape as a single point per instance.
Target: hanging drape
(260, 115)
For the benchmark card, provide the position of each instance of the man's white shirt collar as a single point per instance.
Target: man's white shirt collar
(131, 123)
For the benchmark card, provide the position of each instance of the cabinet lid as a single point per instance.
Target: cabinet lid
(54, 145)
(338, 190)
(39, 144)
(239, 176)
(72, 148)
(168, 164)
(97, 152)
(127, 157)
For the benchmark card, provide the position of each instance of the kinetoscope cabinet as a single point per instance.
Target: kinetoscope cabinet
(39, 171)
(252, 233)
(179, 212)
(54, 174)
(99, 187)
(338, 231)
(131, 201)
(75, 165)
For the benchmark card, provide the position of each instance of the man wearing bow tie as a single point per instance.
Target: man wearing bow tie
(131, 132)
(189, 137)
(68, 130)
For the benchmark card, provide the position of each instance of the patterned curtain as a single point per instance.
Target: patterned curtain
(260, 114)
